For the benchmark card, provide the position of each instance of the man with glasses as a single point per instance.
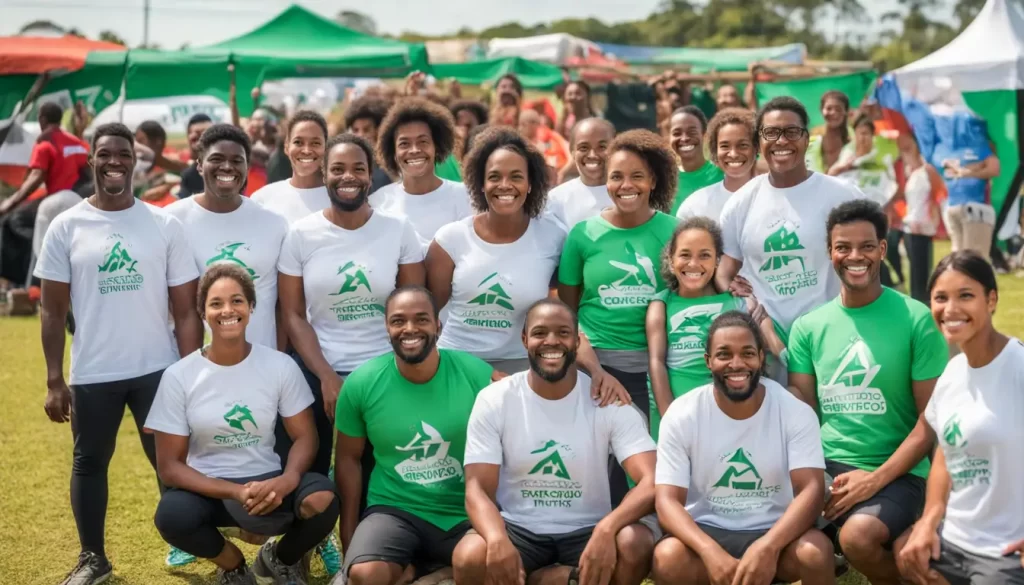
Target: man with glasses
(774, 227)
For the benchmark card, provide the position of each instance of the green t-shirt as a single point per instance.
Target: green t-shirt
(689, 183)
(449, 169)
(418, 432)
(620, 272)
(865, 361)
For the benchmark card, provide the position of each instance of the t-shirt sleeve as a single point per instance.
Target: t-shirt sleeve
(463, 206)
(448, 237)
(43, 155)
(570, 265)
(483, 435)
(629, 435)
(801, 360)
(687, 209)
(412, 249)
(290, 260)
(803, 435)
(673, 467)
(181, 266)
(731, 222)
(295, 393)
(54, 262)
(348, 413)
(930, 351)
(168, 412)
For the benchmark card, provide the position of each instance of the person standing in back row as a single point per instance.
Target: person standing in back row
(687, 127)
(122, 263)
(585, 196)
(304, 193)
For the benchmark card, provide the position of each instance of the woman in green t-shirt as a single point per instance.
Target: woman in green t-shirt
(679, 317)
(687, 127)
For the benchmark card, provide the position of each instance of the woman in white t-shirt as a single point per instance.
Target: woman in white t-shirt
(336, 269)
(730, 141)
(214, 417)
(416, 135)
(972, 513)
(304, 193)
(585, 196)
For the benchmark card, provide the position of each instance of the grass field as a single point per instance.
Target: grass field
(39, 543)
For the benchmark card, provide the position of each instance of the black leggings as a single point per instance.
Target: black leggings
(636, 385)
(95, 419)
(919, 254)
(189, 521)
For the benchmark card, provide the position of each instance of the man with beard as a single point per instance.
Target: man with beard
(739, 481)
(123, 263)
(868, 362)
(537, 490)
(413, 405)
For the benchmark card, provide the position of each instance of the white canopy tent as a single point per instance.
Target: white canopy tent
(554, 48)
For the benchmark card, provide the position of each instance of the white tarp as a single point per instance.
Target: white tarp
(988, 55)
(554, 48)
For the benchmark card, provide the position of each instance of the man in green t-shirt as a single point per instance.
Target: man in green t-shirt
(867, 362)
(413, 406)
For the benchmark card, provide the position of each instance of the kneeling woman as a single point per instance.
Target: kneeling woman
(214, 417)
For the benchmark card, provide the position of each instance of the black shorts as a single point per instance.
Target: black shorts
(544, 550)
(734, 542)
(396, 536)
(897, 505)
(960, 567)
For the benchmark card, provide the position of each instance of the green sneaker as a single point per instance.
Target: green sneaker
(179, 558)
(329, 555)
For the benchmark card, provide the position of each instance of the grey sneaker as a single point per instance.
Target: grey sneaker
(240, 576)
(269, 570)
(92, 569)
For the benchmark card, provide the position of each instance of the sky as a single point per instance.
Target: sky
(204, 22)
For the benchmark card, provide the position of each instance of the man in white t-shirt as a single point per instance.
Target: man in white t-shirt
(584, 197)
(122, 263)
(537, 447)
(740, 480)
(224, 226)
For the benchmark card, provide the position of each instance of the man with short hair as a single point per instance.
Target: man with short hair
(191, 178)
(740, 482)
(867, 362)
(362, 118)
(413, 405)
(537, 490)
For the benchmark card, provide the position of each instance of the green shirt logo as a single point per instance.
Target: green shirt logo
(849, 391)
(428, 461)
(355, 277)
(551, 464)
(635, 286)
(779, 247)
(118, 259)
(952, 434)
(493, 295)
(226, 253)
(740, 473)
(118, 273)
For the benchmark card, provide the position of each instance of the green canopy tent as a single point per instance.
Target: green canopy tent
(532, 74)
(856, 86)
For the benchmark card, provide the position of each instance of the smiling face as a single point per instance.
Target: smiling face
(960, 306)
(735, 362)
(113, 163)
(306, 148)
(227, 310)
(630, 182)
(784, 155)
(347, 177)
(686, 136)
(727, 97)
(590, 152)
(865, 137)
(365, 128)
(507, 92)
(834, 113)
(224, 169)
(857, 254)
(575, 96)
(694, 260)
(414, 149)
(506, 182)
(412, 326)
(551, 342)
(735, 150)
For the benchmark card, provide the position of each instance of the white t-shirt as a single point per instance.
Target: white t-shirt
(977, 414)
(494, 284)
(553, 453)
(291, 202)
(920, 208)
(779, 235)
(427, 212)
(736, 472)
(249, 237)
(228, 413)
(572, 202)
(120, 265)
(705, 202)
(347, 275)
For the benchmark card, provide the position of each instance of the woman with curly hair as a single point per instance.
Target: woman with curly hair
(730, 140)
(415, 135)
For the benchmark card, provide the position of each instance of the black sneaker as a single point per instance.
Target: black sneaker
(91, 569)
(240, 576)
(269, 570)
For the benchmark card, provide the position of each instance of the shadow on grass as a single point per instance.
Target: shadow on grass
(185, 577)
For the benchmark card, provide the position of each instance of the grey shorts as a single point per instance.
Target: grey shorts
(960, 567)
(396, 536)
(897, 505)
(544, 550)
(734, 542)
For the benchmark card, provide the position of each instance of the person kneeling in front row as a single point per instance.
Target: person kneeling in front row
(740, 480)
(214, 417)
(537, 446)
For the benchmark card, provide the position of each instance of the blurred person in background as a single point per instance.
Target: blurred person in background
(191, 178)
(969, 217)
(363, 118)
(508, 101)
(468, 114)
(150, 181)
(553, 147)
(917, 206)
(576, 106)
(827, 144)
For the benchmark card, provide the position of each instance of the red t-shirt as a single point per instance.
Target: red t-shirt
(62, 156)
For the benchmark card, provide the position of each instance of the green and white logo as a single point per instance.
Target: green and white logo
(849, 391)
(966, 469)
(226, 252)
(492, 307)
(355, 299)
(428, 460)
(239, 418)
(780, 247)
(740, 474)
(741, 488)
(635, 286)
(551, 464)
(355, 277)
(952, 434)
(784, 269)
(687, 330)
(118, 272)
(494, 294)
(549, 483)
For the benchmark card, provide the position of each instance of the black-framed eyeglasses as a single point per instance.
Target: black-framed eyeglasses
(773, 133)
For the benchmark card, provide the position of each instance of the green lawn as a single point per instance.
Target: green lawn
(39, 543)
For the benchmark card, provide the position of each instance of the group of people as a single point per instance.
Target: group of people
(668, 366)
